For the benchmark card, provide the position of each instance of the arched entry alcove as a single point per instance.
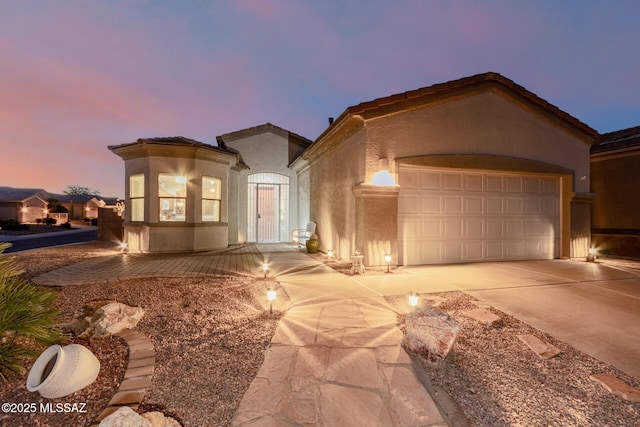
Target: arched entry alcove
(267, 207)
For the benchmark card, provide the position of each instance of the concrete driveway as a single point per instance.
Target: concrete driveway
(591, 306)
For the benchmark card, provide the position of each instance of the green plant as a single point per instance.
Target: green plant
(28, 318)
(50, 221)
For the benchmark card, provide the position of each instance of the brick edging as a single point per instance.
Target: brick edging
(137, 378)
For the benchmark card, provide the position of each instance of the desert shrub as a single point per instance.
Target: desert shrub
(38, 220)
(65, 225)
(50, 221)
(28, 318)
(94, 221)
(13, 225)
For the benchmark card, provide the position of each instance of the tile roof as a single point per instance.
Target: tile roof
(620, 139)
(256, 130)
(11, 194)
(400, 101)
(177, 141)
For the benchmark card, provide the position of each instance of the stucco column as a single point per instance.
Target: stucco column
(581, 224)
(376, 222)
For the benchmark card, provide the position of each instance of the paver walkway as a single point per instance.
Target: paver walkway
(244, 259)
(335, 359)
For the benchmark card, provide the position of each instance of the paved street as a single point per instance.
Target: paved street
(35, 241)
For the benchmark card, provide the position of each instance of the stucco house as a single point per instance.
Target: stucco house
(615, 178)
(476, 169)
(23, 204)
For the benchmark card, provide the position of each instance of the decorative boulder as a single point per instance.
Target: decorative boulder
(431, 333)
(125, 417)
(108, 319)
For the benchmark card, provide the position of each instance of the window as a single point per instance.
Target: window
(210, 199)
(136, 197)
(172, 191)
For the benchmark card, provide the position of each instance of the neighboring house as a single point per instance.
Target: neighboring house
(268, 191)
(23, 204)
(476, 169)
(615, 179)
(80, 205)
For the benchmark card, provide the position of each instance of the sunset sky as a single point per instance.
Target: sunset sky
(76, 76)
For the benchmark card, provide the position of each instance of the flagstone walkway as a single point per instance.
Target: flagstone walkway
(335, 359)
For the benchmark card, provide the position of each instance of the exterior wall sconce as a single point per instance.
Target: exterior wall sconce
(387, 260)
(271, 297)
(592, 255)
(265, 268)
(383, 177)
(181, 179)
(413, 299)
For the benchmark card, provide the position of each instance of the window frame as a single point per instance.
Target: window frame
(211, 199)
(135, 197)
(171, 198)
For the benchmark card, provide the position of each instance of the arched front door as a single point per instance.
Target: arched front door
(268, 204)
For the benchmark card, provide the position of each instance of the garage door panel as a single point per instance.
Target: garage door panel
(452, 182)
(493, 251)
(473, 183)
(452, 205)
(409, 228)
(550, 186)
(430, 205)
(493, 184)
(532, 185)
(430, 228)
(494, 228)
(430, 181)
(463, 216)
(513, 206)
(452, 228)
(473, 251)
(453, 251)
(513, 184)
(408, 204)
(410, 180)
(473, 228)
(473, 206)
(494, 205)
(532, 206)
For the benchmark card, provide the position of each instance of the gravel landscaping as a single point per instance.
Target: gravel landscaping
(496, 380)
(210, 335)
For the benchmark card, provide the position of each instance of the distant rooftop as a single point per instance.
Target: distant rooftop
(617, 140)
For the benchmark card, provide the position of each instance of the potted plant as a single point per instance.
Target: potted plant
(313, 244)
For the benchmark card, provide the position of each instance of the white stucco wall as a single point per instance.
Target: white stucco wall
(266, 152)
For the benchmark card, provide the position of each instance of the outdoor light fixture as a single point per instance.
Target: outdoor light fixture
(387, 259)
(265, 268)
(330, 253)
(383, 177)
(592, 255)
(181, 179)
(413, 299)
(271, 297)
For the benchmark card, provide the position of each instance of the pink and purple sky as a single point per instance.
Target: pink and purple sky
(76, 76)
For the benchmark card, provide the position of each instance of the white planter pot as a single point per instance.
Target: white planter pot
(60, 371)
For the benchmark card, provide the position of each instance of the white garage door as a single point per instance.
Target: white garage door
(453, 216)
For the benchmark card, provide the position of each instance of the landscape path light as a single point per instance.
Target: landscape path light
(387, 259)
(592, 255)
(413, 300)
(271, 297)
(330, 253)
(265, 268)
